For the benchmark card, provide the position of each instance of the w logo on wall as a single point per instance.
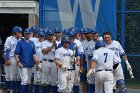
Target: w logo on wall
(98, 14)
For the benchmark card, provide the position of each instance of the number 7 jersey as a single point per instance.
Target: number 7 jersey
(104, 58)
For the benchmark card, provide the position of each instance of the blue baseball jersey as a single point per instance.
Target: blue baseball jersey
(25, 50)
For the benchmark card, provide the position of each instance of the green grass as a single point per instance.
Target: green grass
(133, 85)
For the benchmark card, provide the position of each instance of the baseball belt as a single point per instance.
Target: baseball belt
(104, 70)
(49, 60)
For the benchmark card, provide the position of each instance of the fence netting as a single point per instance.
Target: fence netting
(131, 39)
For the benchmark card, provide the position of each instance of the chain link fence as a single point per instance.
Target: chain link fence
(131, 39)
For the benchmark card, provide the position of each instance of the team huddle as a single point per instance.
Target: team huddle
(62, 61)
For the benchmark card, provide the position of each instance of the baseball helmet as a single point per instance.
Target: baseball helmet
(49, 32)
(65, 39)
(99, 44)
(82, 31)
(93, 31)
(75, 30)
(70, 33)
(34, 28)
(27, 31)
(65, 31)
(41, 33)
(87, 30)
(17, 29)
(57, 30)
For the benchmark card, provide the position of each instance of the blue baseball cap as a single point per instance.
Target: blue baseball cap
(27, 31)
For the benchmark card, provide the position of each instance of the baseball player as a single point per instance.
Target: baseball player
(83, 78)
(95, 35)
(7, 82)
(65, 31)
(75, 30)
(102, 66)
(34, 33)
(11, 68)
(37, 74)
(63, 59)
(49, 70)
(118, 73)
(82, 36)
(58, 34)
(25, 56)
(89, 48)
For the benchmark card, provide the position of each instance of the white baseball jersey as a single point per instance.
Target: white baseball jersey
(79, 45)
(64, 55)
(34, 39)
(7, 41)
(58, 42)
(117, 48)
(11, 45)
(38, 49)
(47, 44)
(104, 58)
(89, 48)
(12, 71)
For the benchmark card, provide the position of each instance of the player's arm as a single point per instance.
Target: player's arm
(7, 52)
(7, 57)
(57, 59)
(48, 49)
(18, 61)
(91, 70)
(58, 62)
(129, 68)
(123, 54)
(36, 61)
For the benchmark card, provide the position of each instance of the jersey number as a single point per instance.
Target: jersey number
(105, 54)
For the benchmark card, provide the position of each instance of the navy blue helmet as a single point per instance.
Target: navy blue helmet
(34, 28)
(93, 31)
(99, 44)
(65, 39)
(70, 33)
(41, 33)
(87, 30)
(17, 29)
(49, 32)
(27, 31)
(57, 30)
(65, 31)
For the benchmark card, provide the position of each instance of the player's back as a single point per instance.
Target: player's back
(104, 58)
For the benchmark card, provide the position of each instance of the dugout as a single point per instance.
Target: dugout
(20, 13)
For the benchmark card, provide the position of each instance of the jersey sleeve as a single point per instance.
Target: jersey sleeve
(121, 50)
(95, 56)
(7, 44)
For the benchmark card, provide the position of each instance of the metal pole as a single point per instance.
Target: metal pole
(123, 23)
(40, 13)
(123, 27)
